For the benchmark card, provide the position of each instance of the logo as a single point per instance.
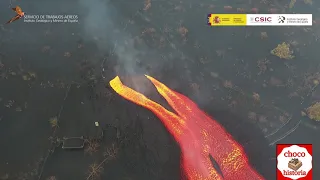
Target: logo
(227, 19)
(294, 161)
(281, 19)
(216, 20)
(262, 19)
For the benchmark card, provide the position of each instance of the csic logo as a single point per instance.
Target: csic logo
(294, 161)
(261, 19)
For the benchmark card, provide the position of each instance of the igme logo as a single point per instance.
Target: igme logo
(294, 161)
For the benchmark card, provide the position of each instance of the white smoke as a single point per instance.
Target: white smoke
(103, 25)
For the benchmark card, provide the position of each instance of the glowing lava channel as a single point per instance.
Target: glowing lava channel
(197, 134)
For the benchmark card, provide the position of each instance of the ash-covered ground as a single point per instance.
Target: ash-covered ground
(54, 84)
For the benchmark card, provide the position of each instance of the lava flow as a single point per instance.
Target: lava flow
(208, 152)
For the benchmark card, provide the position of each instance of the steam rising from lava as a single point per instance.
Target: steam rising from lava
(107, 26)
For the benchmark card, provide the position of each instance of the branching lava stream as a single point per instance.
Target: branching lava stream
(200, 137)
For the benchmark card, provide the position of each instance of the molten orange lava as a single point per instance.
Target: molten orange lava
(197, 134)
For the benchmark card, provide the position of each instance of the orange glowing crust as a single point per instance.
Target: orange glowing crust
(197, 134)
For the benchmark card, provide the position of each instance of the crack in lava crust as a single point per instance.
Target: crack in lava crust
(197, 134)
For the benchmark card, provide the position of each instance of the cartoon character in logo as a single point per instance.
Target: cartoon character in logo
(216, 20)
